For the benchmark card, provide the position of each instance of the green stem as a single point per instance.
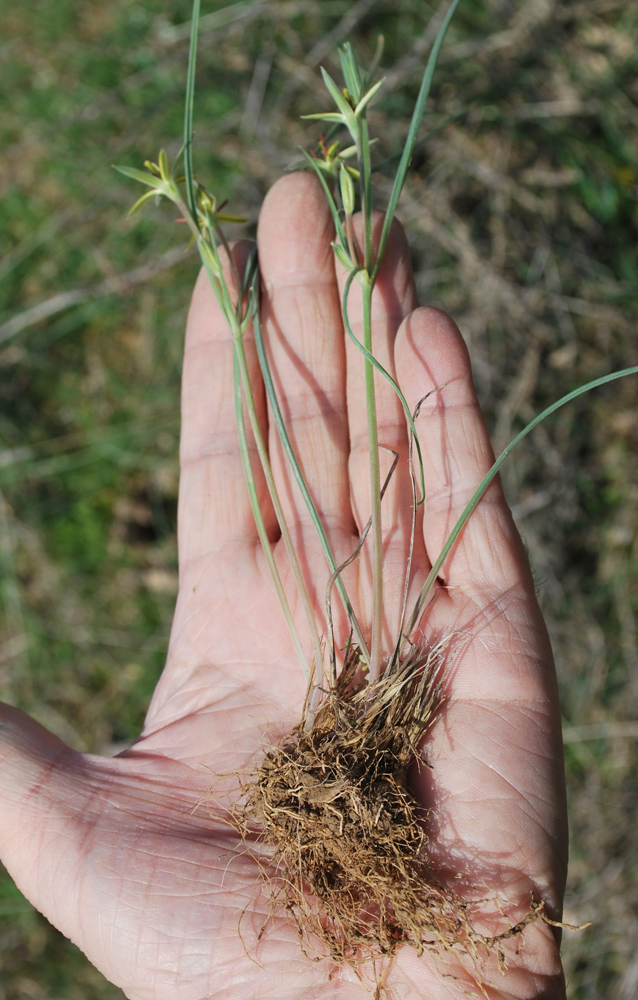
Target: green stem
(376, 637)
(382, 371)
(259, 520)
(375, 492)
(294, 464)
(188, 113)
(274, 495)
(365, 166)
(233, 318)
(411, 140)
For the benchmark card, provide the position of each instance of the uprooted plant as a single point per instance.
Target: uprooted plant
(332, 803)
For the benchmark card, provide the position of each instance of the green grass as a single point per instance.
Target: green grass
(523, 218)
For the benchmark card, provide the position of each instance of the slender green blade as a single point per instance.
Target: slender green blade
(485, 482)
(351, 71)
(141, 175)
(365, 100)
(294, 464)
(413, 132)
(147, 196)
(339, 98)
(325, 116)
(188, 113)
(257, 513)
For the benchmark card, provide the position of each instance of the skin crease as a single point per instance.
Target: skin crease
(116, 853)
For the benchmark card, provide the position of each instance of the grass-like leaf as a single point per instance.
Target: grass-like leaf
(485, 482)
(294, 464)
(188, 113)
(410, 143)
(348, 115)
(142, 176)
(351, 71)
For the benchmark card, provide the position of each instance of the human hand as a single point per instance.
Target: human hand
(116, 853)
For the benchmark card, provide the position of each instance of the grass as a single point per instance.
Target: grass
(522, 219)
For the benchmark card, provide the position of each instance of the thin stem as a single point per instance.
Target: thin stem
(365, 166)
(334, 211)
(337, 573)
(365, 172)
(408, 565)
(188, 113)
(382, 371)
(352, 246)
(231, 260)
(411, 140)
(294, 464)
(375, 492)
(233, 318)
(259, 520)
(274, 495)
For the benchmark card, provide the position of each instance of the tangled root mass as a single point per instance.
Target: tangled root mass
(333, 804)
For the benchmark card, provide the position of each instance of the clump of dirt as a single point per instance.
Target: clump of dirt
(347, 837)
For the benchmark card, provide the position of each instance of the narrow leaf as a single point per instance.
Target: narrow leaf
(351, 70)
(415, 124)
(348, 114)
(147, 196)
(485, 482)
(188, 114)
(298, 474)
(365, 100)
(165, 170)
(258, 516)
(327, 116)
(141, 176)
(344, 258)
(208, 257)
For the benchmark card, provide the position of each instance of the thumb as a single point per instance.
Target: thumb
(41, 805)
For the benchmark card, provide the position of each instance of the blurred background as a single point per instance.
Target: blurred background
(522, 213)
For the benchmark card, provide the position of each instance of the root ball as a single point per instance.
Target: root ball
(333, 805)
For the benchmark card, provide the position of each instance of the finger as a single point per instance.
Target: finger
(432, 358)
(304, 335)
(214, 507)
(394, 296)
(505, 760)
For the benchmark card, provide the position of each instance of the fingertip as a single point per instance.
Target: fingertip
(430, 347)
(298, 189)
(295, 233)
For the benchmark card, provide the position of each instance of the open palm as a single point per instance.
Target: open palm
(130, 857)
